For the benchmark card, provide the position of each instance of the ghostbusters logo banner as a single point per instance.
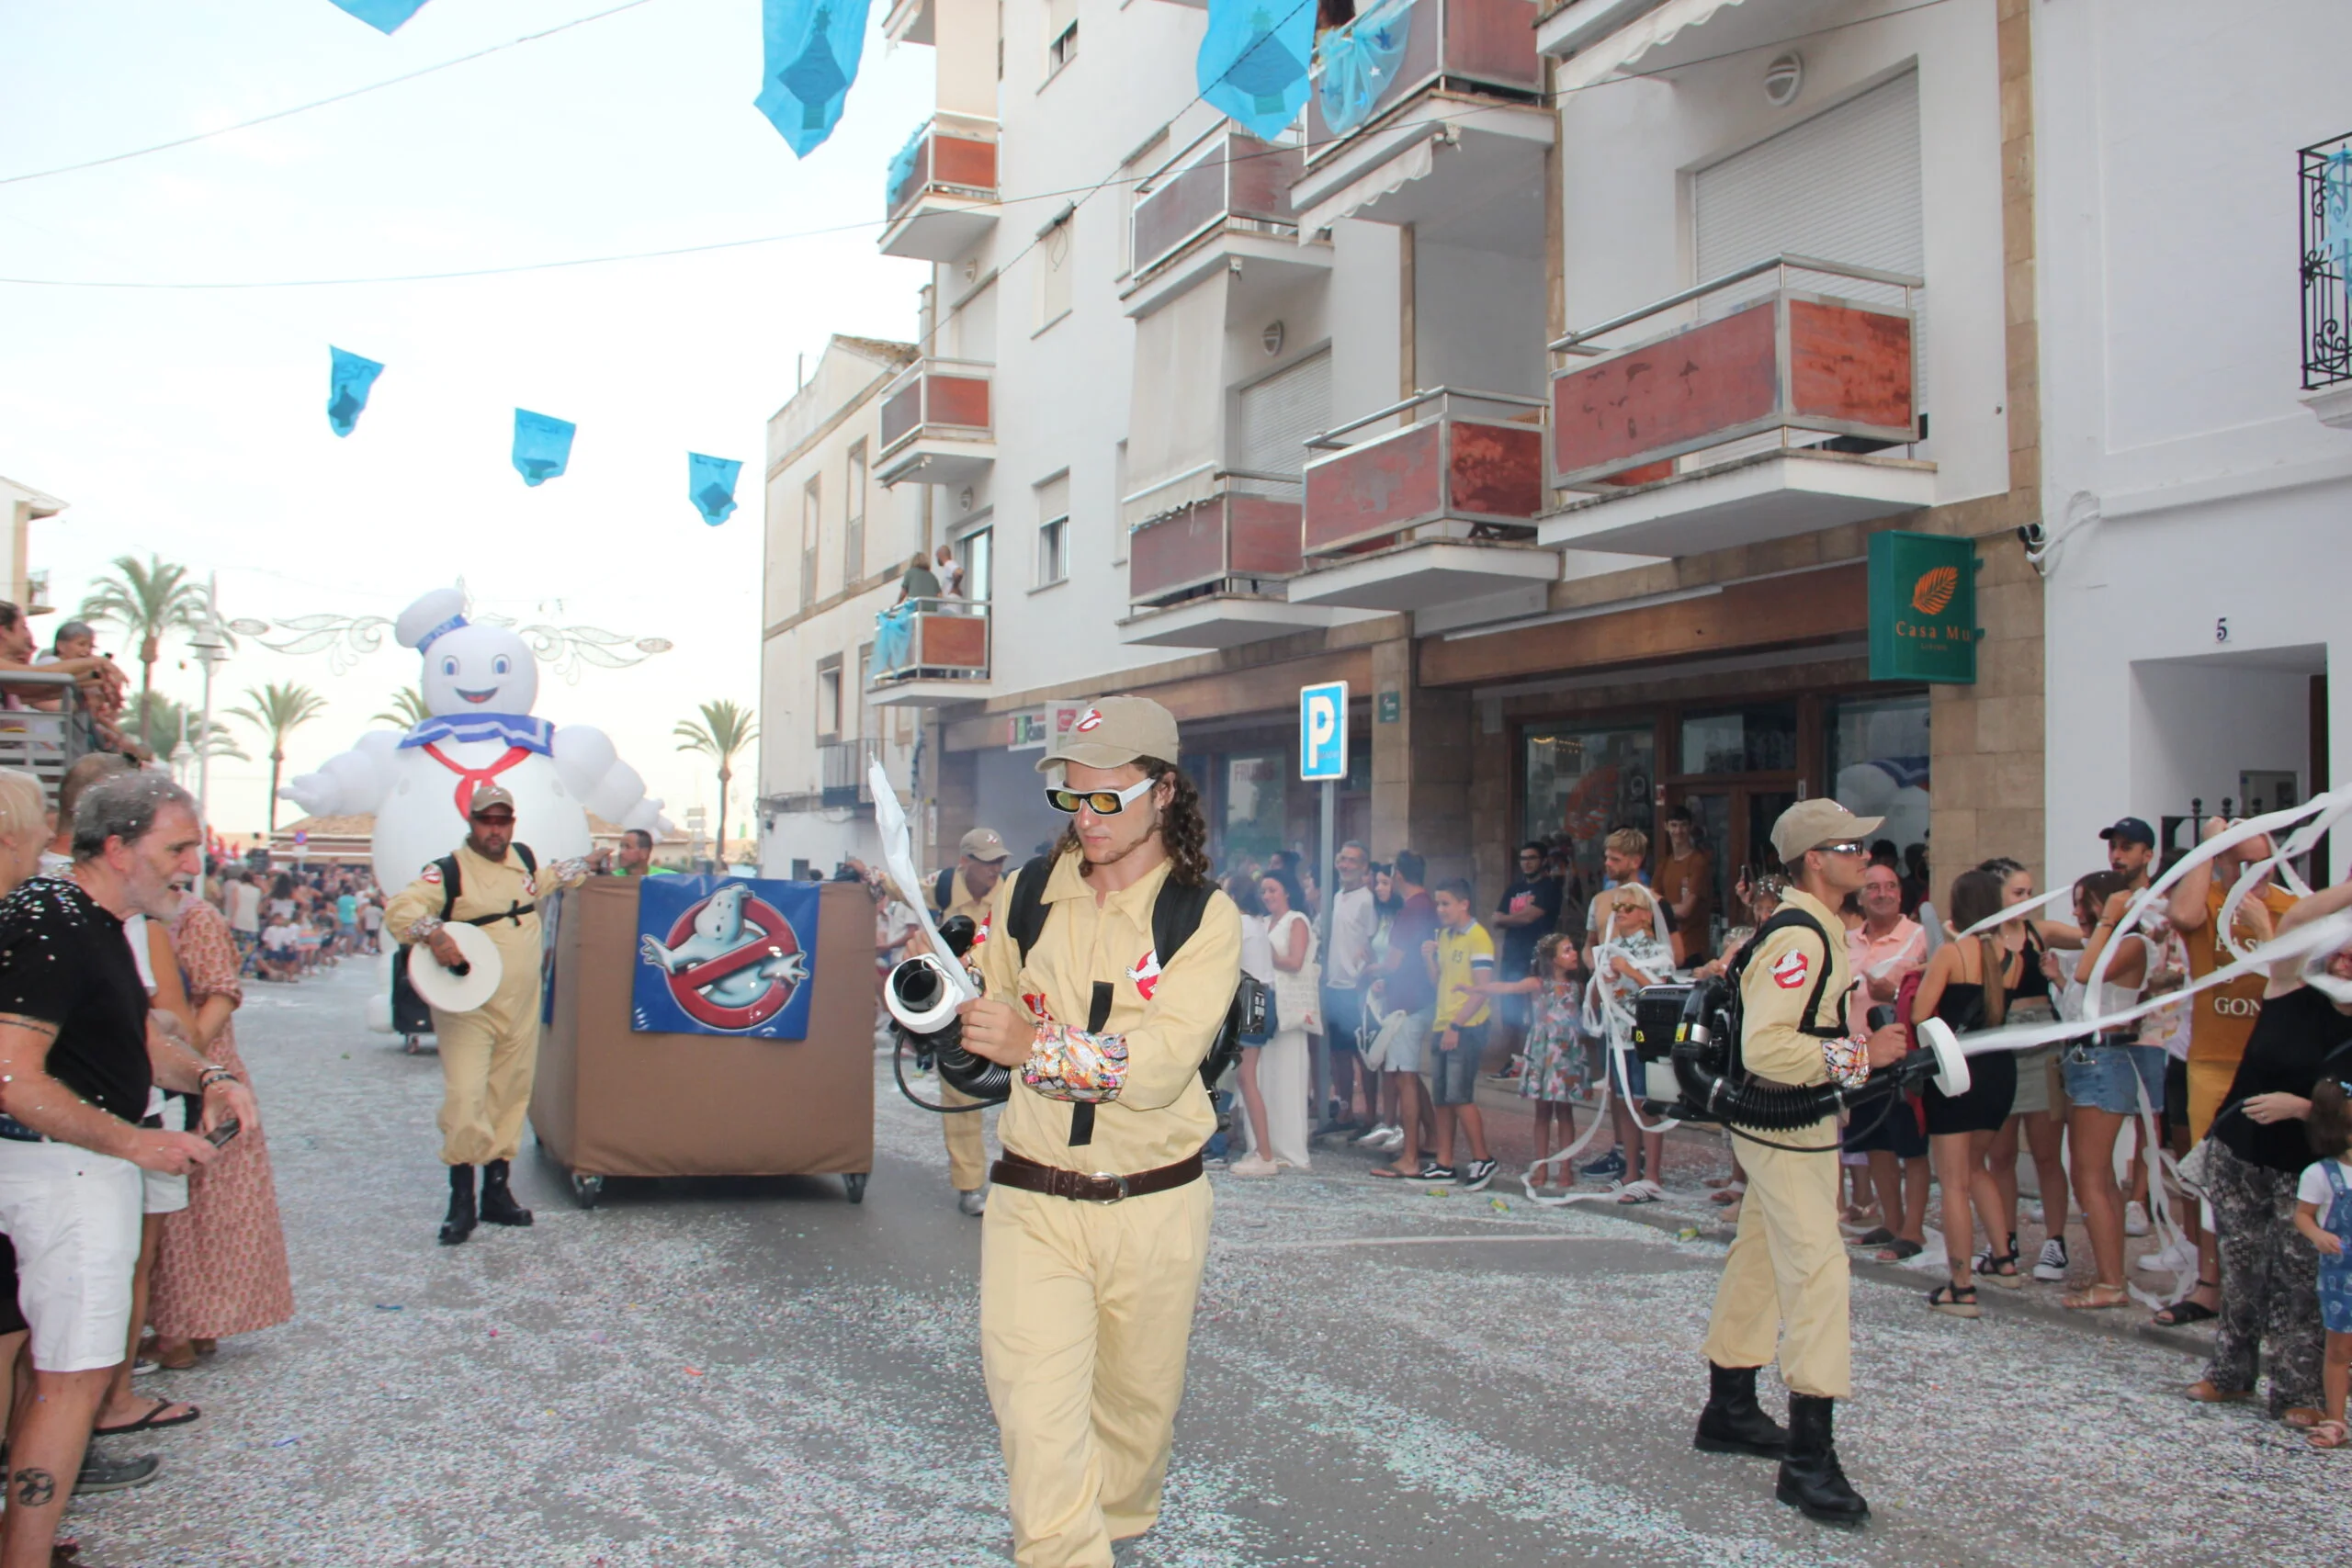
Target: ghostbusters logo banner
(724, 956)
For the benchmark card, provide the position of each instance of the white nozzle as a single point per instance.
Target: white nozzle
(920, 994)
(1951, 1063)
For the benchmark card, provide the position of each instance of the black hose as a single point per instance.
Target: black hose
(898, 1071)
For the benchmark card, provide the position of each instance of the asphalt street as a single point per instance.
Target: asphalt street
(756, 1373)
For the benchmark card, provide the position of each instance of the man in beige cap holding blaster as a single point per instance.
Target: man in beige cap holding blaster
(965, 888)
(488, 1056)
(1090, 1254)
(1787, 1266)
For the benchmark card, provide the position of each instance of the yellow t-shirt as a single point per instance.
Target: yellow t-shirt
(1460, 955)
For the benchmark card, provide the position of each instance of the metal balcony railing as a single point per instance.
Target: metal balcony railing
(44, 740)
(842, 771)
(1229, 180)
(948, 397)
(2326, 170)
(1472, 460)
(1757, 360)
(1244, 536)
(1397, 50)
(950, 154)
(930, 639)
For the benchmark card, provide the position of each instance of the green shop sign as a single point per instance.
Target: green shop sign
(1923, 608)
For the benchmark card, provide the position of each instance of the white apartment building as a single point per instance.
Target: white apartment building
(1500, 403)
(2195, 490)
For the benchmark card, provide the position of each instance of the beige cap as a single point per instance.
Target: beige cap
(983, 843)
(488, 796)
(1809, 824)
(1113, 732)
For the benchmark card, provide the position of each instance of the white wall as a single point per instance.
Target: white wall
(2197, 724)
(1478, 319)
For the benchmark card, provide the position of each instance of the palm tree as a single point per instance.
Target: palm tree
(724, 730)
(170, 716)
(277, 711)
(408, 709)
(146, 602)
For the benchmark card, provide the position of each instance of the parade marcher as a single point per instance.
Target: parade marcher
(1091, 1252)
(488, 1056)
(965, 888)
(1787, 1267)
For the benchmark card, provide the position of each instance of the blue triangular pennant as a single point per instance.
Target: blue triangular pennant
(1253, 63)
(384, 15)
(542, 446)
(812, 48)
(710, 485)
(349, 380)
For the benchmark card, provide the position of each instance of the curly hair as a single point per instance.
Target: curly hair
(1183, 828)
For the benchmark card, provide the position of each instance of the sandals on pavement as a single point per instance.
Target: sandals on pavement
(2204, 1393)
(2303, 1417)
(153, 1421)
(2001, 1268)
(2328, 1435)
(1881, 1237)
(1643, 1191)
(2094, 1298)
(1957, 1301)
(1901, 1250)
(1730, 1193)
(2189, 1309)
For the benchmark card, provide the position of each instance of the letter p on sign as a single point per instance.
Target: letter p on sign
(1323, 731)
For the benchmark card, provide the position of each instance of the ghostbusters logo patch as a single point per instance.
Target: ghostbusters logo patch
(980, 936)
(432, 873)
(1089, 721)
(1038, 1006)
(1145, 973)
(1791, 969)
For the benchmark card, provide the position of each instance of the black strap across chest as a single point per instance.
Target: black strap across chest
(453, 884)
(1791, 918)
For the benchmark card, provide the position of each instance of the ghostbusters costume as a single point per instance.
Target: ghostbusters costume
(488, 1056)
(1097, 1229)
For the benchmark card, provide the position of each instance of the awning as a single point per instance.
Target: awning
(1363, 191)
(1622, 49)
(1177, 412)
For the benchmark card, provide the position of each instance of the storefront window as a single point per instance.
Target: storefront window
(1878, 764)
(1251, 815)
(1584, 782)
(1761, 739)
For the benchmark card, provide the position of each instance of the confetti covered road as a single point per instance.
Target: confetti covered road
(760, 1372)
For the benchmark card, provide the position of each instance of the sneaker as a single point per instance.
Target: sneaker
(1393, 1140)
(2135, 1218)
(1610, 1164)
(1432, 1171)
(1643, 1191)
(975, 1203)
(100, 1473)
(2051, 1268)
(1479, 1173)
(2169, 1259)
(1379, 1134)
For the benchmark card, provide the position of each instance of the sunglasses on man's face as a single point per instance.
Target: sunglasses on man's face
(1844, 847)
(1102, 802)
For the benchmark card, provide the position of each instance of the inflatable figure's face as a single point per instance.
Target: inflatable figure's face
(480, 670)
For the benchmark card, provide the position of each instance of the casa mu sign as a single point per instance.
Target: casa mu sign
(1923, 608)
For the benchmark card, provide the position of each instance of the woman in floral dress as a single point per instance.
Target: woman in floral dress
(222, 1269)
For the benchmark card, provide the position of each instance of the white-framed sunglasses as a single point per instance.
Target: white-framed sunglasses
(1102, 802)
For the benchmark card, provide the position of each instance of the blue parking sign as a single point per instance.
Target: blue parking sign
(1323, 731)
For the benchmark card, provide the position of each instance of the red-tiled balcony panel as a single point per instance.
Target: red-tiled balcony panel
(944, 399)
(1466, 45)
(1440, 469)
(1237, 179)
(1211, 542)
(953, 159)
(947, 639)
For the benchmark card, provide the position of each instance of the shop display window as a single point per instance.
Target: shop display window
(1586, 779)
(1761, 737)
(1878, 763)
(1250, 812)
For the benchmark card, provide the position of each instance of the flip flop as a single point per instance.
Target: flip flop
(2328, 1435)
(1388, 1173)
(1902, 1249)
(2096, 1298)
(2184, 1311)
(152, 1421)
(1882, 1236)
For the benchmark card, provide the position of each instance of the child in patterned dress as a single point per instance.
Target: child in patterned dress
(1550, 1066)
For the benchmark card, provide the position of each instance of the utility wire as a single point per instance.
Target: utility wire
(318, 103)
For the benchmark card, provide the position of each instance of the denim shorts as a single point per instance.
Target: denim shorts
(2110, 1077)
(1454, 1075)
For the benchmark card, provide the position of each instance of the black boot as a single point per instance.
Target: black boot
(498, 1205)
(1732, 1423)
(1811, 1479)
(461, 1222)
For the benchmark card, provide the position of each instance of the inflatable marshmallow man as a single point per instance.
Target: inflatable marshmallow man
(479, 683)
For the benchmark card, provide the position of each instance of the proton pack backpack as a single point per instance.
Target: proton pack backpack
(452, 883)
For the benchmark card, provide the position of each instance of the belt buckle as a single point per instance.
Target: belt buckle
(1113, 1177)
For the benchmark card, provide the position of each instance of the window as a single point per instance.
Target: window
(1277, 415)
(1878, 763)
(1061, 35)
(809, 530)
(829, 697)
(1053, 530)
(980, 562)
(864, 671)
(1584, 781)
(1054, 258)
(1759, 739)
(853, 526)
(1251, 815)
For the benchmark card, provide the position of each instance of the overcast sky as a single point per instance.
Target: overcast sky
(192, 423)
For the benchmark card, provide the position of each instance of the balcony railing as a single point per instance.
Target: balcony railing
(1789, 363)
(841, 768)
(1234, 539)
(1470, 462)
(930, 639)
(1395, 50)
(950, 154)
(1234, 182)
(48, 738)
(944, 398)
(2326, 173)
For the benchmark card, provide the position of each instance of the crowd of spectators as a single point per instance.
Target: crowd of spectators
(288, 924)
(92, 712)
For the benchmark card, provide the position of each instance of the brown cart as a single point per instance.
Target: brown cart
(609, 1101)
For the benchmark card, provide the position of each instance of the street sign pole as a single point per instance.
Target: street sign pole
(1323, 759)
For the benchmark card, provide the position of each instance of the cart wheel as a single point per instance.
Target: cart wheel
(587, 1191)
(853, 1183)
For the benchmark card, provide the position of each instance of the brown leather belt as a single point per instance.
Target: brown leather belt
(1099, 1187)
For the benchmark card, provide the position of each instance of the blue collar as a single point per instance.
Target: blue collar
(513, 729)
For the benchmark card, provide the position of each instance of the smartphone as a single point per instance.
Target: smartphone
(220, 1136)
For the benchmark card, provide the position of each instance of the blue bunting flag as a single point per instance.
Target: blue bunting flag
(812, 50)
(710, 485)
(1360, 62)
(542, 446)
(1253, 63)
(384, 15)
(348, 381)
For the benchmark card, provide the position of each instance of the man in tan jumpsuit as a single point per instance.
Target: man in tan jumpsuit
(1788, 1263)
(970, 890)
(488, 1056)
(1090, 1254)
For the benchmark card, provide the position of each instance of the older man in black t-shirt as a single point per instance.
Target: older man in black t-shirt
(77, 1054)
